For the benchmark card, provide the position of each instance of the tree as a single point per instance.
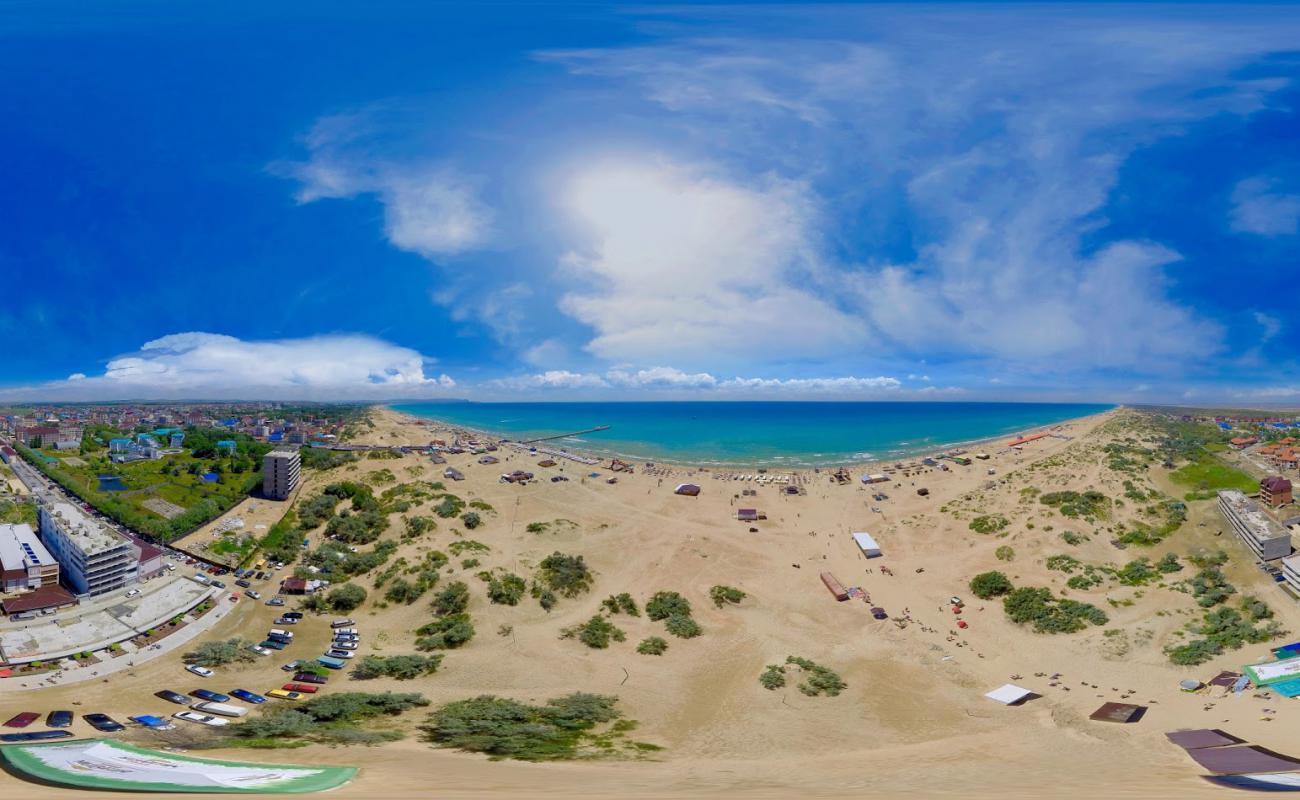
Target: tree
(220, 653)
(988, 585)
(346, 597)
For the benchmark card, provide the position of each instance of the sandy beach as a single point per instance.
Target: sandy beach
(913, 719)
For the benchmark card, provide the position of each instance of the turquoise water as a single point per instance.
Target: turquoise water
(791, 434)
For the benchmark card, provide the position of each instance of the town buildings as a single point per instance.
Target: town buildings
(280, 472)
(94, 559)
(1275, 491)
(24, 561)
(1265, 536)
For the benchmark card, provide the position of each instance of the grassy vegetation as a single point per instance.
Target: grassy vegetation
(652, 646)
(726, 595)
(564, 728)
(338, 719)
(818, 680)
(596, 633)
(403, 668)
(989, 523)
(1207, 475)
(1048, 614)
(222, 652)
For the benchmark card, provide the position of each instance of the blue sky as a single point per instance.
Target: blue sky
(546, 201)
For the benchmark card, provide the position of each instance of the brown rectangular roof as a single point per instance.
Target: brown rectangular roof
(1242, 758)
(1202, 737)
(1118, 712)
(51, 596)
(1225, 678)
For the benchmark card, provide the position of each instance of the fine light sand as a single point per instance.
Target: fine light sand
(913, 719)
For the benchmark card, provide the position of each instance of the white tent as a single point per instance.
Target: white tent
(1008, 694)
(866, 544)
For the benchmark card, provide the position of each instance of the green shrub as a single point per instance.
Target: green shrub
(596, 633)
(506, 589)
(666, 604)
(989, 523)
(773, 677)
(400, 667)
(683, 627)
(346, 597)
(1005, 553)
(818, 680)
(219, 653)
(471, 520)
(567, 575)
(723, 595)
(445, 633)
(987, 585)
(454, 599)
(653, 646)
(621, 604)
(504, 728)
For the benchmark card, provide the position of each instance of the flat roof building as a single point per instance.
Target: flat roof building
(94, 559)
(280, 473)
(24, 561)
(1265, 536)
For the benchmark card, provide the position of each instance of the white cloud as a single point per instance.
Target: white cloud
(923, 378)
(429, 208)
(675, 381)
(687, 266)
(209, 365)
(549, 380)
(1270, 325)
(661, 376)
(1258, 209)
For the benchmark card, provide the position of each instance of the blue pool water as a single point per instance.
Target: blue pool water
(792, 434)
(111, 483)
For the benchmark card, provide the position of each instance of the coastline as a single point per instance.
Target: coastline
(910, 454)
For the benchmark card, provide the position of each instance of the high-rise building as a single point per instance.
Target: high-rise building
(280, 472)
(94, 558)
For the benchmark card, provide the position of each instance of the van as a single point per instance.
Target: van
(332, 663)
(280, 632)
(353, 631)
(22, 615)
(223, 709)
(342, 623)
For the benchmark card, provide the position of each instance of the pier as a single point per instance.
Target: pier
(596, 429)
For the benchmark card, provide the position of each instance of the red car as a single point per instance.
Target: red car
(302, 688)
(22, 720)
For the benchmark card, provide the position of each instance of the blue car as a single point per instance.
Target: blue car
(215, 697)
(34, 736)
(247, 696)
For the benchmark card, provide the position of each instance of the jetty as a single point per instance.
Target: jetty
(596, 429)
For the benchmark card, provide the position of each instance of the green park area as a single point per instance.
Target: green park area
(1206, 475)
(165, 497)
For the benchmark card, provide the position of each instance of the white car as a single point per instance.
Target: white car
(336, 653)
(202, 719)
(261, 651)
(280, 632)
(254, 594)
(202, 672)
(343, 645)
(132, 592)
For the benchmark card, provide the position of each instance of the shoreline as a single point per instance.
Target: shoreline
(768, 468)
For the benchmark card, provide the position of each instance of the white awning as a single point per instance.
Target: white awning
(1008, 693)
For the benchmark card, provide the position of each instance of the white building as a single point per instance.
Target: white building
(280, 472)
(1291, 573)
(24, 561)
(1265, 536)
(94, 558)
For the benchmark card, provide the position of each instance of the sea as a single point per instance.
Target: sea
(752, 434)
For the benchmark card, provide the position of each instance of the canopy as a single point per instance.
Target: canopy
(115, 765)
(1009, 694)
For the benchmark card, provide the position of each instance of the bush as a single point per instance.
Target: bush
(621, 604)
(450, 506)
(220, 653)
(1169, 564)
(1004, 553)
(405, 592)
(683, 627)
(773, 677)
(510, 729)
(596, 633)
(507, 589)
(454, 599)
(445, 633)
(565, 574)
(988, 585)
(400, 667)
(818, 680)
(471, 520)
(1049, 614)
(346, 597)
(989, 523)
(418, 526)
(666, 604)
(652, 646)
(722, 595)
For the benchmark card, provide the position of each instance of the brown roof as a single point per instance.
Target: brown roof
(1202, 737)
(1275, 484)
(51, 596)
(1242, 758)
(1118, 712)
(1225, 678)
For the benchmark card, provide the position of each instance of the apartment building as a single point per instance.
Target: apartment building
(1275, 491)
(94, 558)
(280, 472)
(24, 561)
(1264, 535)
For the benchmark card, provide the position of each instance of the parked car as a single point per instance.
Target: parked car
(173, 697)
(260, 650)
(33, 736)
(202, 719)
(286, 621)
(284, 694)
(310, 677)
(336, 653)
(59, 719)
(879, 613)
(219, 584)
(272, 644)
(275, 637)
(150, 721)
(291, 666)
(301, 688)
(103, 722)
(293, 614)
(243, 583)
(132, 592)
(206, 694)
(275, 601)
(239, 573)
(202, 672)
(342, 623)
(22, 720)
(337, 645)
(253, 593)
(248, 697)
(280, 632)
(558, 478)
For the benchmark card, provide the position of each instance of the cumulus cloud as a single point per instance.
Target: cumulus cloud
(676, 381)
(209, 365)
(430, 208)
(689, 266)
(1257, 208)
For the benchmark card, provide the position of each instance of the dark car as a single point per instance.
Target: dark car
(261, 576)
(273, 644)
(34, 736)
(879, 613)
(173, 697)
(309, 677)
(275, 637)
(103, 722)
(243, 582)
(292, 614)
(206, 694)
(219, 584)
(247, 696)
(59, 719)
(22, 720)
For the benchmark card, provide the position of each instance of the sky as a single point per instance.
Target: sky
(582, 201)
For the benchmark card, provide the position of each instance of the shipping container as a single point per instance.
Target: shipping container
(836, 588)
